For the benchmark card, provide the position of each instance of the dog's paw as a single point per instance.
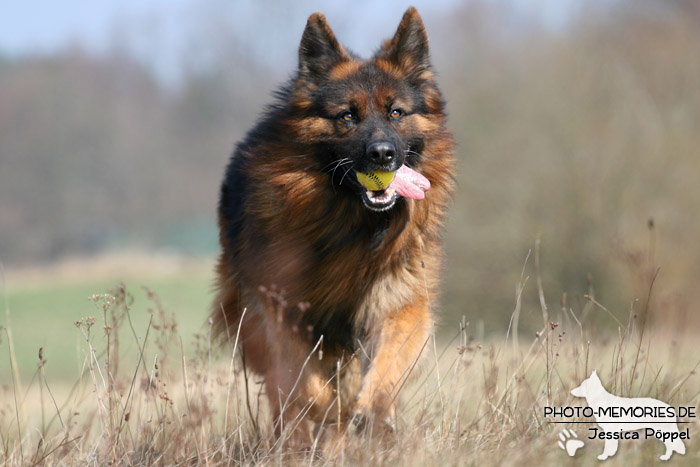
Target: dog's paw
(359, 422)
(362, 422)
(569, 442)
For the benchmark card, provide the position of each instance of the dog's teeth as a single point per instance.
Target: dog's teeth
(370, 195)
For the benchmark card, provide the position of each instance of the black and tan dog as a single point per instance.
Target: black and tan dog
(330, 216)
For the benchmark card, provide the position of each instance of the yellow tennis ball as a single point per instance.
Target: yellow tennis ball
(377, 180)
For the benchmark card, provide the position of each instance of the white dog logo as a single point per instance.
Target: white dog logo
(608, 407)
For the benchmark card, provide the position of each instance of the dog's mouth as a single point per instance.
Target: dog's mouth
(379, 200)
(404, 182)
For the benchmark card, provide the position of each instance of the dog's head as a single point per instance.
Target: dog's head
(367, 116)
(589, 386)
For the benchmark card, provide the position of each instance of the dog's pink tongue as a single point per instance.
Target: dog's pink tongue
(409, 183)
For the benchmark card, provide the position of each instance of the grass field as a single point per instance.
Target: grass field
(43, 304)
(139, 383)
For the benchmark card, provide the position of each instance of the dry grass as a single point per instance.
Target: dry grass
(471, 404)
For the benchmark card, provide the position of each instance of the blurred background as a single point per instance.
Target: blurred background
(577, 122)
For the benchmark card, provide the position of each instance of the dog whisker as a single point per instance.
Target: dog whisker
(343, 161)
(346, 172)
(338, 165)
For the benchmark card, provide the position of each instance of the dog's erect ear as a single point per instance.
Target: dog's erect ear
(319, 49)
(594, 375)
(409, 47)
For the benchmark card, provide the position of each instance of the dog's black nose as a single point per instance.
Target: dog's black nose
(381, 152)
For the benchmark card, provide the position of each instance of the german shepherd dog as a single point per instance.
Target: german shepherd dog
(330, 215)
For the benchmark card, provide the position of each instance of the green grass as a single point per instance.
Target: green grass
(43, 314)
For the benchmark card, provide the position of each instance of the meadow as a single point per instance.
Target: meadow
(127, 375)
(571, 244)
(42, 304)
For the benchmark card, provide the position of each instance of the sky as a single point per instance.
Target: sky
(160, 32)
(46, 24)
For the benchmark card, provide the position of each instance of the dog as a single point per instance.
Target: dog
(330, 221)
(616, 417)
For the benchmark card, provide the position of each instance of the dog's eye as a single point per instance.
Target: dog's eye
(347, 116)
(395, 113)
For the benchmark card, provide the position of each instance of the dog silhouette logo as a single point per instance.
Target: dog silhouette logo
(624, 417)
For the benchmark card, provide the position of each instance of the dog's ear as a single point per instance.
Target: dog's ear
(594, 375)
(319, 49)
(409, 47)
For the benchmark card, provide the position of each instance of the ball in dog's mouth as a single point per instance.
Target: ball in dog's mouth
(383, 188)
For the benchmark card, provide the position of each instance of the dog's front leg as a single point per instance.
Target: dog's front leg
(609, 450)
(402, 335)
